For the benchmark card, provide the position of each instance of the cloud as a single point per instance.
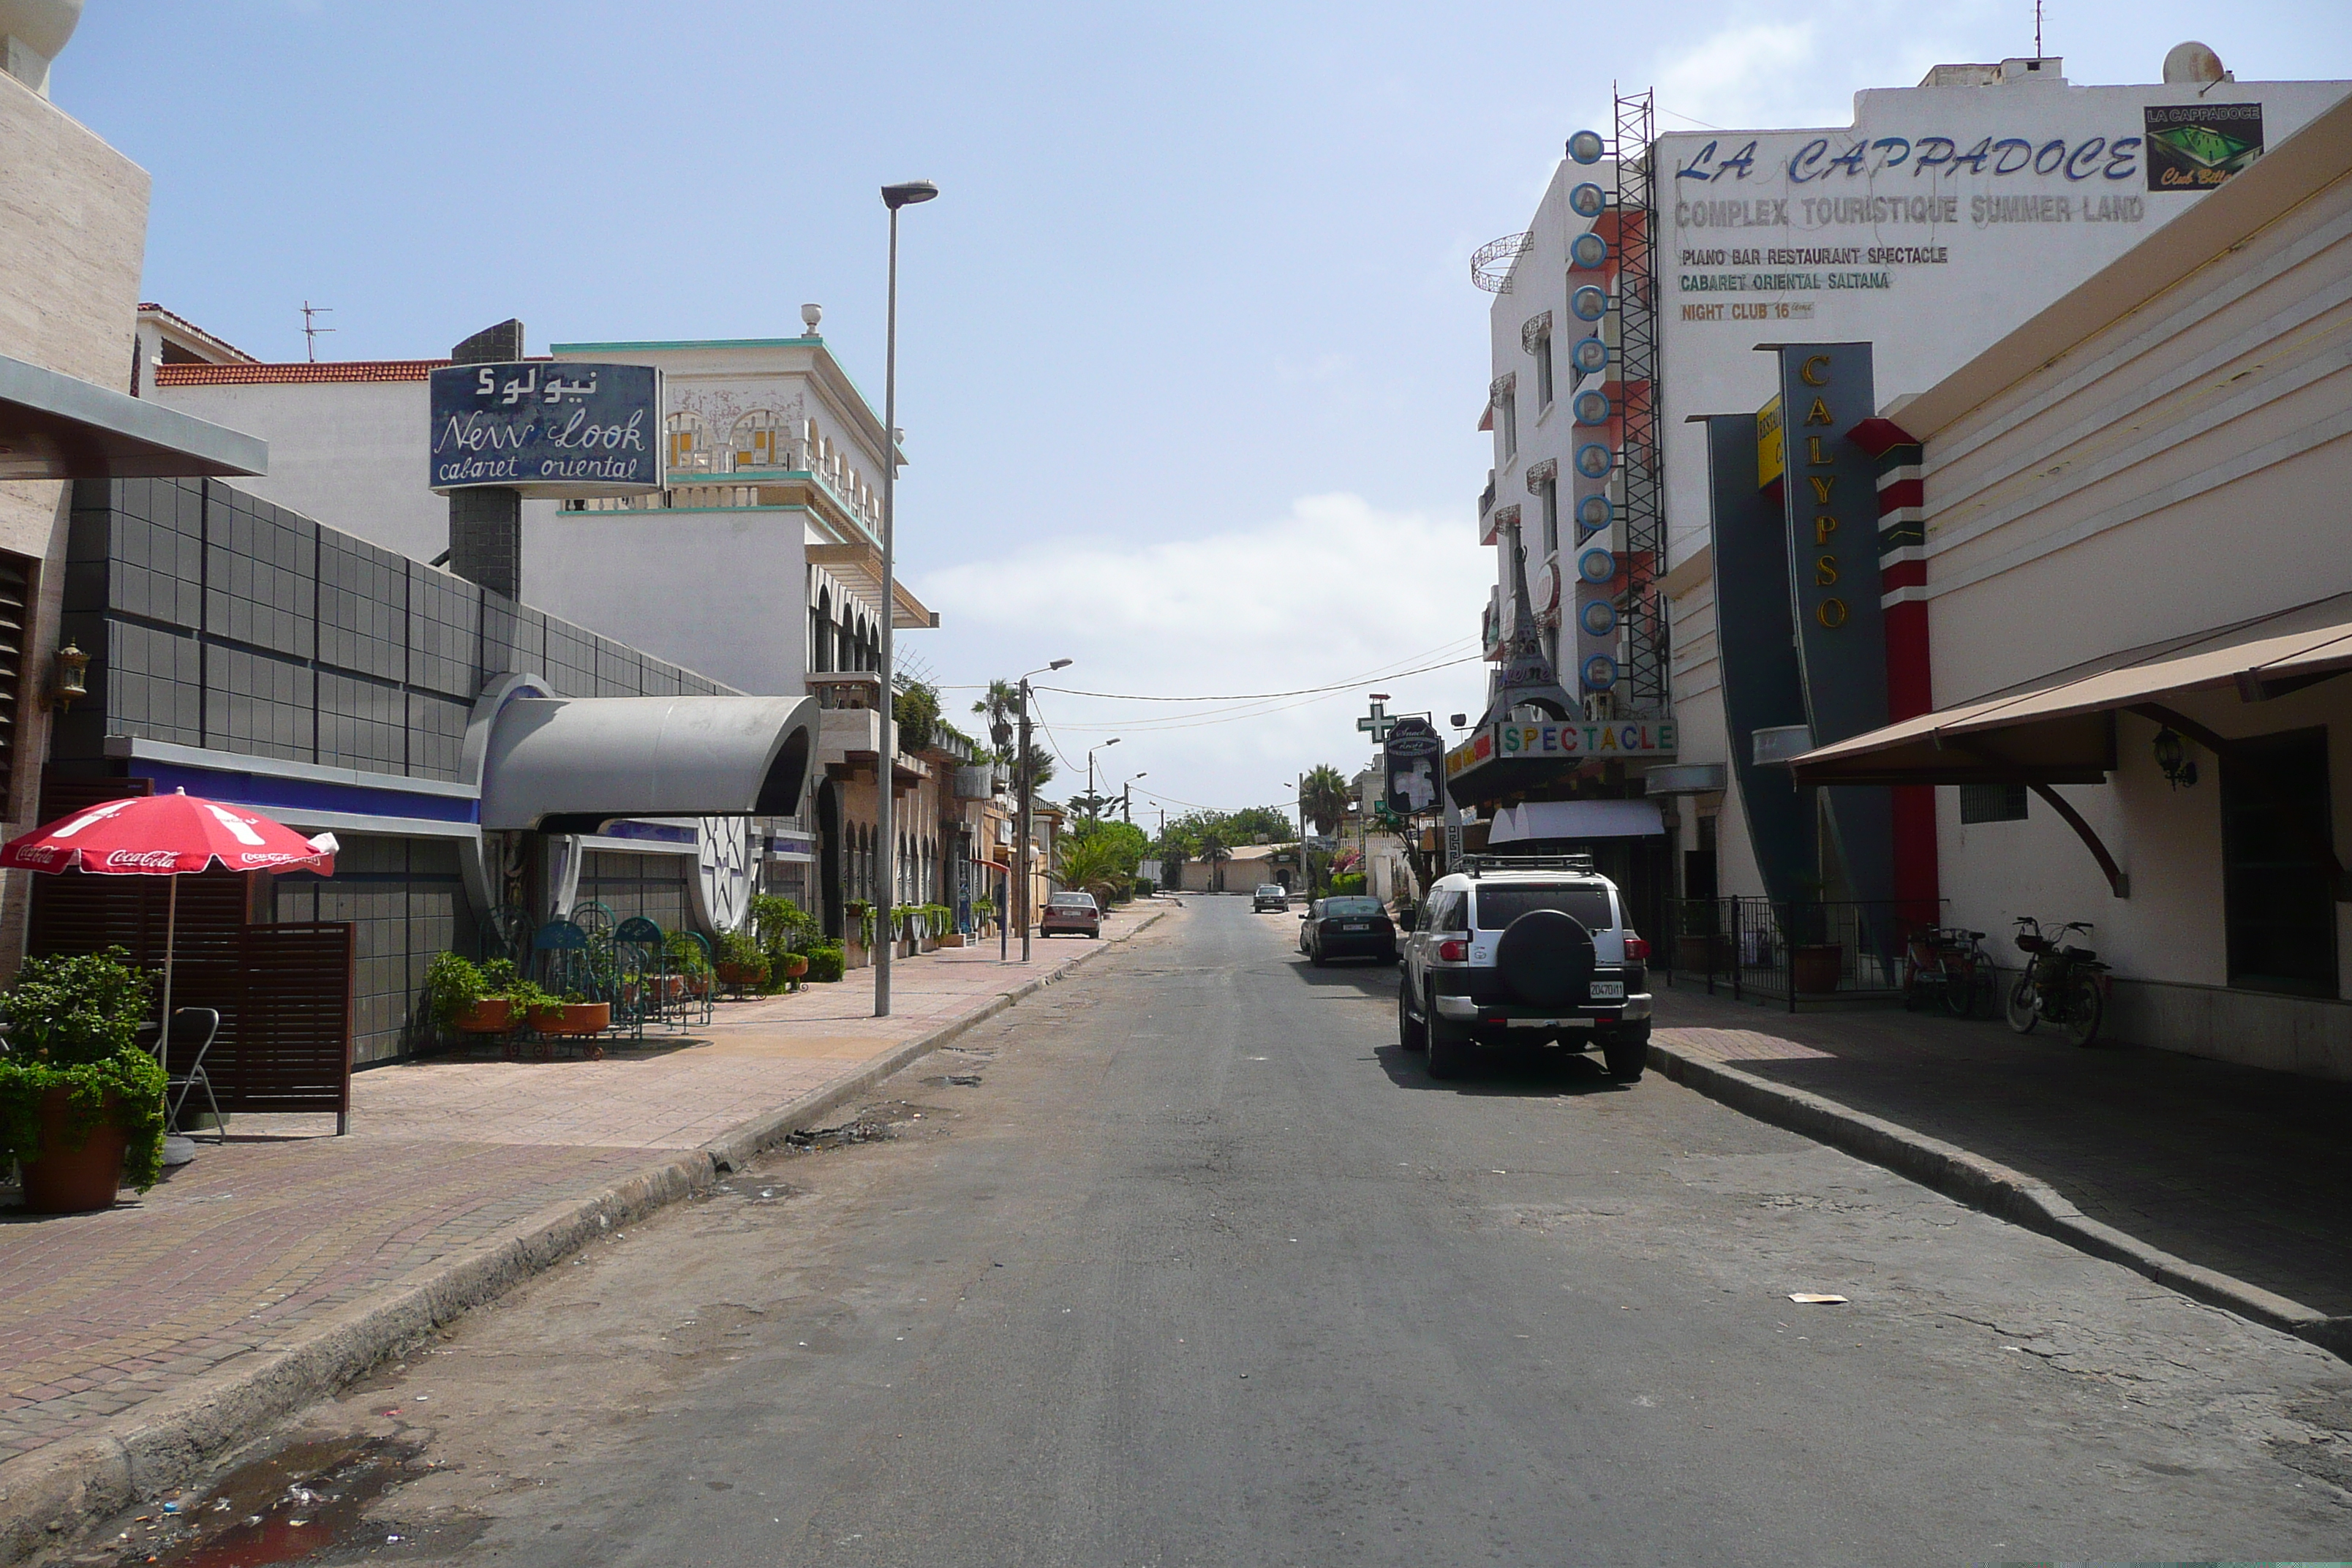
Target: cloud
(1744, 75)
(1333, 590)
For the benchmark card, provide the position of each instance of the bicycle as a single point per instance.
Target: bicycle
(2066, 985)
(1950, 964)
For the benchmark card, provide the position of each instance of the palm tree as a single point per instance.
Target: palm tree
(1093, 865)
(1325, 796)
(1211, 851)
(1002, 706)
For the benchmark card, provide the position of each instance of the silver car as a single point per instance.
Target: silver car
(1525, 949)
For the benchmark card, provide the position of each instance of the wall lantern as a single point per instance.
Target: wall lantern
(1586, 146)
(1588, 200)
(72, 677)
(2172, 759)
(1588, 304)
(1589, 356)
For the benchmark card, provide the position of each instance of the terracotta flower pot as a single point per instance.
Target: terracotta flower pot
(951, 939)
(1819, 967)
(796, 965)
(491, 1016)
(573, 1018)
(73, 1181)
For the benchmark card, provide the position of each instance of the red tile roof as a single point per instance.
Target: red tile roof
(267, 375)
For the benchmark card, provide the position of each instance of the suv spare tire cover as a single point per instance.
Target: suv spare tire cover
(1546, 958)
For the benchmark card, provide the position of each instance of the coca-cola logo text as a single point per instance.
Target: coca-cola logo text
(161, 858)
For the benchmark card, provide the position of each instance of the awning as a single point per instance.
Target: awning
(55, 427)
(2058, 728)
(571, 764)
(1576, 819)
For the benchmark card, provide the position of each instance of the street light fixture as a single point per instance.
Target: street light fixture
(884, 813)
(1094, 806)
(1024, 793)
(1126, 797)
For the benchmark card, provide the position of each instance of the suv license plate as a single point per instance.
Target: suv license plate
(1607, 990)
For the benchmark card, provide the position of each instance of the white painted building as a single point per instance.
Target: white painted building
(2134, 506)
(1941, 218)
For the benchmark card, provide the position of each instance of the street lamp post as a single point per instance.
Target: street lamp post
(885, 811)
(1027, 790)
(1126, 797)
(1094, 806)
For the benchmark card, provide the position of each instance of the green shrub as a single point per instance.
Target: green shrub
(452, 985)
(825, 961)
(686, 954)
(74, 1025)
(1353, 882)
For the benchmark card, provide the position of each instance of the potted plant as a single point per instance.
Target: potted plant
(740, 964)
(826, 962)
(575, 1014)
(81, 1102)
(465, 998)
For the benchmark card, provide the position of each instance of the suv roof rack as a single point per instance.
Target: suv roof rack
(1475, 864)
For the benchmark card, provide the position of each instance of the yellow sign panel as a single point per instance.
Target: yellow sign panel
(1771, 451)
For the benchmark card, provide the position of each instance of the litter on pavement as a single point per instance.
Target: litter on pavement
(1812, 1298)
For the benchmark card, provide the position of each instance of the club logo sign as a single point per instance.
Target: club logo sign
(2197, 146)
(1411, 754)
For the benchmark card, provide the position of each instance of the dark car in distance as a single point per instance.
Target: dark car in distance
(1346, 927)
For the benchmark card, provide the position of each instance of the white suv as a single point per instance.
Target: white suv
(1525, 949)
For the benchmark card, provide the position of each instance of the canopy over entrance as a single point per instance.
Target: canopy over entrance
(55, 427)
(2057, 729)
(2060, 729)
(1576, 819)
(569, 764)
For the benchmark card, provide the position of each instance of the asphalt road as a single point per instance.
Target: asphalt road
(1203, 1271)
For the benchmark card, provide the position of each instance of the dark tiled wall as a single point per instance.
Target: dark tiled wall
(406, 901)
(229, 622)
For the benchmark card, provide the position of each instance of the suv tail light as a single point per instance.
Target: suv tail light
(1454, 953)
(1637, 949)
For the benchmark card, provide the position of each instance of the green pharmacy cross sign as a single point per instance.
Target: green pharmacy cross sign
(1378, 723)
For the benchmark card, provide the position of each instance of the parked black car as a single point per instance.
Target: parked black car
(1348, 927)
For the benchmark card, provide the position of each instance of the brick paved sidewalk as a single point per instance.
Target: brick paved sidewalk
(233, 1255)
(2246, 1171)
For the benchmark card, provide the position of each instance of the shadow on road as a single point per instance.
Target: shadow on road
(1515, 1072)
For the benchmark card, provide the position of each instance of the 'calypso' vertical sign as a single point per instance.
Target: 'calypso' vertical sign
(1829, 494)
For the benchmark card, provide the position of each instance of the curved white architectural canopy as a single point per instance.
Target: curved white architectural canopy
(563, 764)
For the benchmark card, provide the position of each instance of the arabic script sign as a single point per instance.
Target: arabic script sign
(547, 427)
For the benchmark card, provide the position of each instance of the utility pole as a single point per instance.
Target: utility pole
(1306, 877)
(1021, 831)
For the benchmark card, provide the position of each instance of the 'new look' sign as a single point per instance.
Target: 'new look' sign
(547, 427)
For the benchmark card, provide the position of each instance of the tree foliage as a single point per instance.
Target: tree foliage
(1326, 797)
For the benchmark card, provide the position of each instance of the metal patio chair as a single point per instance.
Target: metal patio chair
(189, 1036)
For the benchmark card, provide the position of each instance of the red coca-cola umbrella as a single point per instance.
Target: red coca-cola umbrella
(167, 835)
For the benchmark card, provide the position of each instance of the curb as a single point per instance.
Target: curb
(169, 1441)
(1996, 1189)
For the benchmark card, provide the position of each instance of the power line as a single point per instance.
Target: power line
(1262, 696)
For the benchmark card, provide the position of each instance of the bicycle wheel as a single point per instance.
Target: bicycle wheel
(2022, 1014)
(2086, 1006)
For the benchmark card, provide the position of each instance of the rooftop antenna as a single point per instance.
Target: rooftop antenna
(311, 328)
(2037, 29)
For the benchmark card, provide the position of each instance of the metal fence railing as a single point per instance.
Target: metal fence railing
(1792, 951)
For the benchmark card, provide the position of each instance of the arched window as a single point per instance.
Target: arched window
(690, 444)
(757, 441)
(820, 648)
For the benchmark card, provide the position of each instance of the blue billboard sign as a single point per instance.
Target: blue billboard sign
(547, 427)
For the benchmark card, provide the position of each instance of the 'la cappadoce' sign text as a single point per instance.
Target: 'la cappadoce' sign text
(548, 427)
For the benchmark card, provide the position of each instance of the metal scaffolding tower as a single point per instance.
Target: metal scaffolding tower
(1642, 610)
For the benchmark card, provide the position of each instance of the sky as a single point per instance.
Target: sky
(1190, 361)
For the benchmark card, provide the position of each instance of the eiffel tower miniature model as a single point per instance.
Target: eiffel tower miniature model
(1529, 678)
